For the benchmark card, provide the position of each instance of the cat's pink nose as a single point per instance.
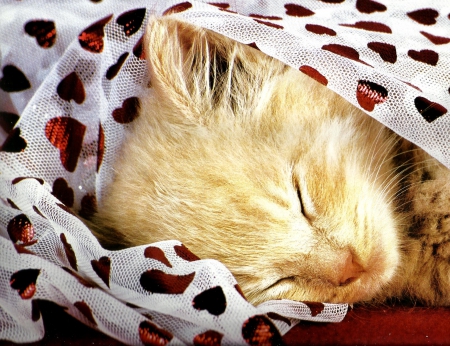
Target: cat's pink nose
(347, 271)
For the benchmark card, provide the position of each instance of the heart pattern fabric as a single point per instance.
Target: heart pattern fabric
(64, 118)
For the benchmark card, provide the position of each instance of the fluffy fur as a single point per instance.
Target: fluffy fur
(297, 192)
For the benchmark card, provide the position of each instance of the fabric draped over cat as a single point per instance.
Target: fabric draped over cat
(73, 71)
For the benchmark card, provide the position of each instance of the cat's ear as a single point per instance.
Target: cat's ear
(198, 71)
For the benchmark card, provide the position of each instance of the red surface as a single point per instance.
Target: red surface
(378, 326)
(361, 326)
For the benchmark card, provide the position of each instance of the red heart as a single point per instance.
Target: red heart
(102, 267)
(128, 112)
(370, 94)
(369, 6)
(208, 338)
(63, 192)
(426, 16)
(151, 334)
(259, 330)
(386, 51)
(297, 10)
(24, 281)
(71, 88)
(426, 56)
(178, 8)
(43, 30)
(91, 38)
(13, 80)
(131, 20)
(156, 281)
(20, 229)
(66, 134)
(14, 143)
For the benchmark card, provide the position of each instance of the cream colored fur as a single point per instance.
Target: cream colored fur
(253, 163)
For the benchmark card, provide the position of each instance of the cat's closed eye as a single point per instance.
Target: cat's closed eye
(211, 164)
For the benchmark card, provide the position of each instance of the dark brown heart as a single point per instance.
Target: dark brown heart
(297, 10)
(178, 8)
(113, 70)
(157, 254)
(386, 51)
(212, 300)
(259, 330)
(86, 311)
(370, 94)
(436, 39)
(370, 26)
(71, 88)
(426, 56)
(316, 308)
(43, 30)
(13, 80)
(66, 134)
(80, 279)
(20, 229)
(14, 143)
(208, 338)
(345, 51)
(91, 38)
(272, 25)
(156, 281)
(320, 30)
(103, 268)
(426, 16)
(100, 146)
(138, 49)
(63, 192)
(70, 254)
(314, 74)
(128, 112)
(24, 281)
(7, 121)
(275, 316)
(88, 206)
(186, 254)
(369, 6)
(131, 21)
(152, 335)
(428, 109)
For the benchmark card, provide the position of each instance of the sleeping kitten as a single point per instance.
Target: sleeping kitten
(301, 195)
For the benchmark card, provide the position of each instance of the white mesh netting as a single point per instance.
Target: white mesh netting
(68, 67)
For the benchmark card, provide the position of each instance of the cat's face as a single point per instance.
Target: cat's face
(267, 171)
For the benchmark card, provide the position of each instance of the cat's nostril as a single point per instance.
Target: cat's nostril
(349, 271)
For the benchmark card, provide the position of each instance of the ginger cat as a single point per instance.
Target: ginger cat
(300, 194)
